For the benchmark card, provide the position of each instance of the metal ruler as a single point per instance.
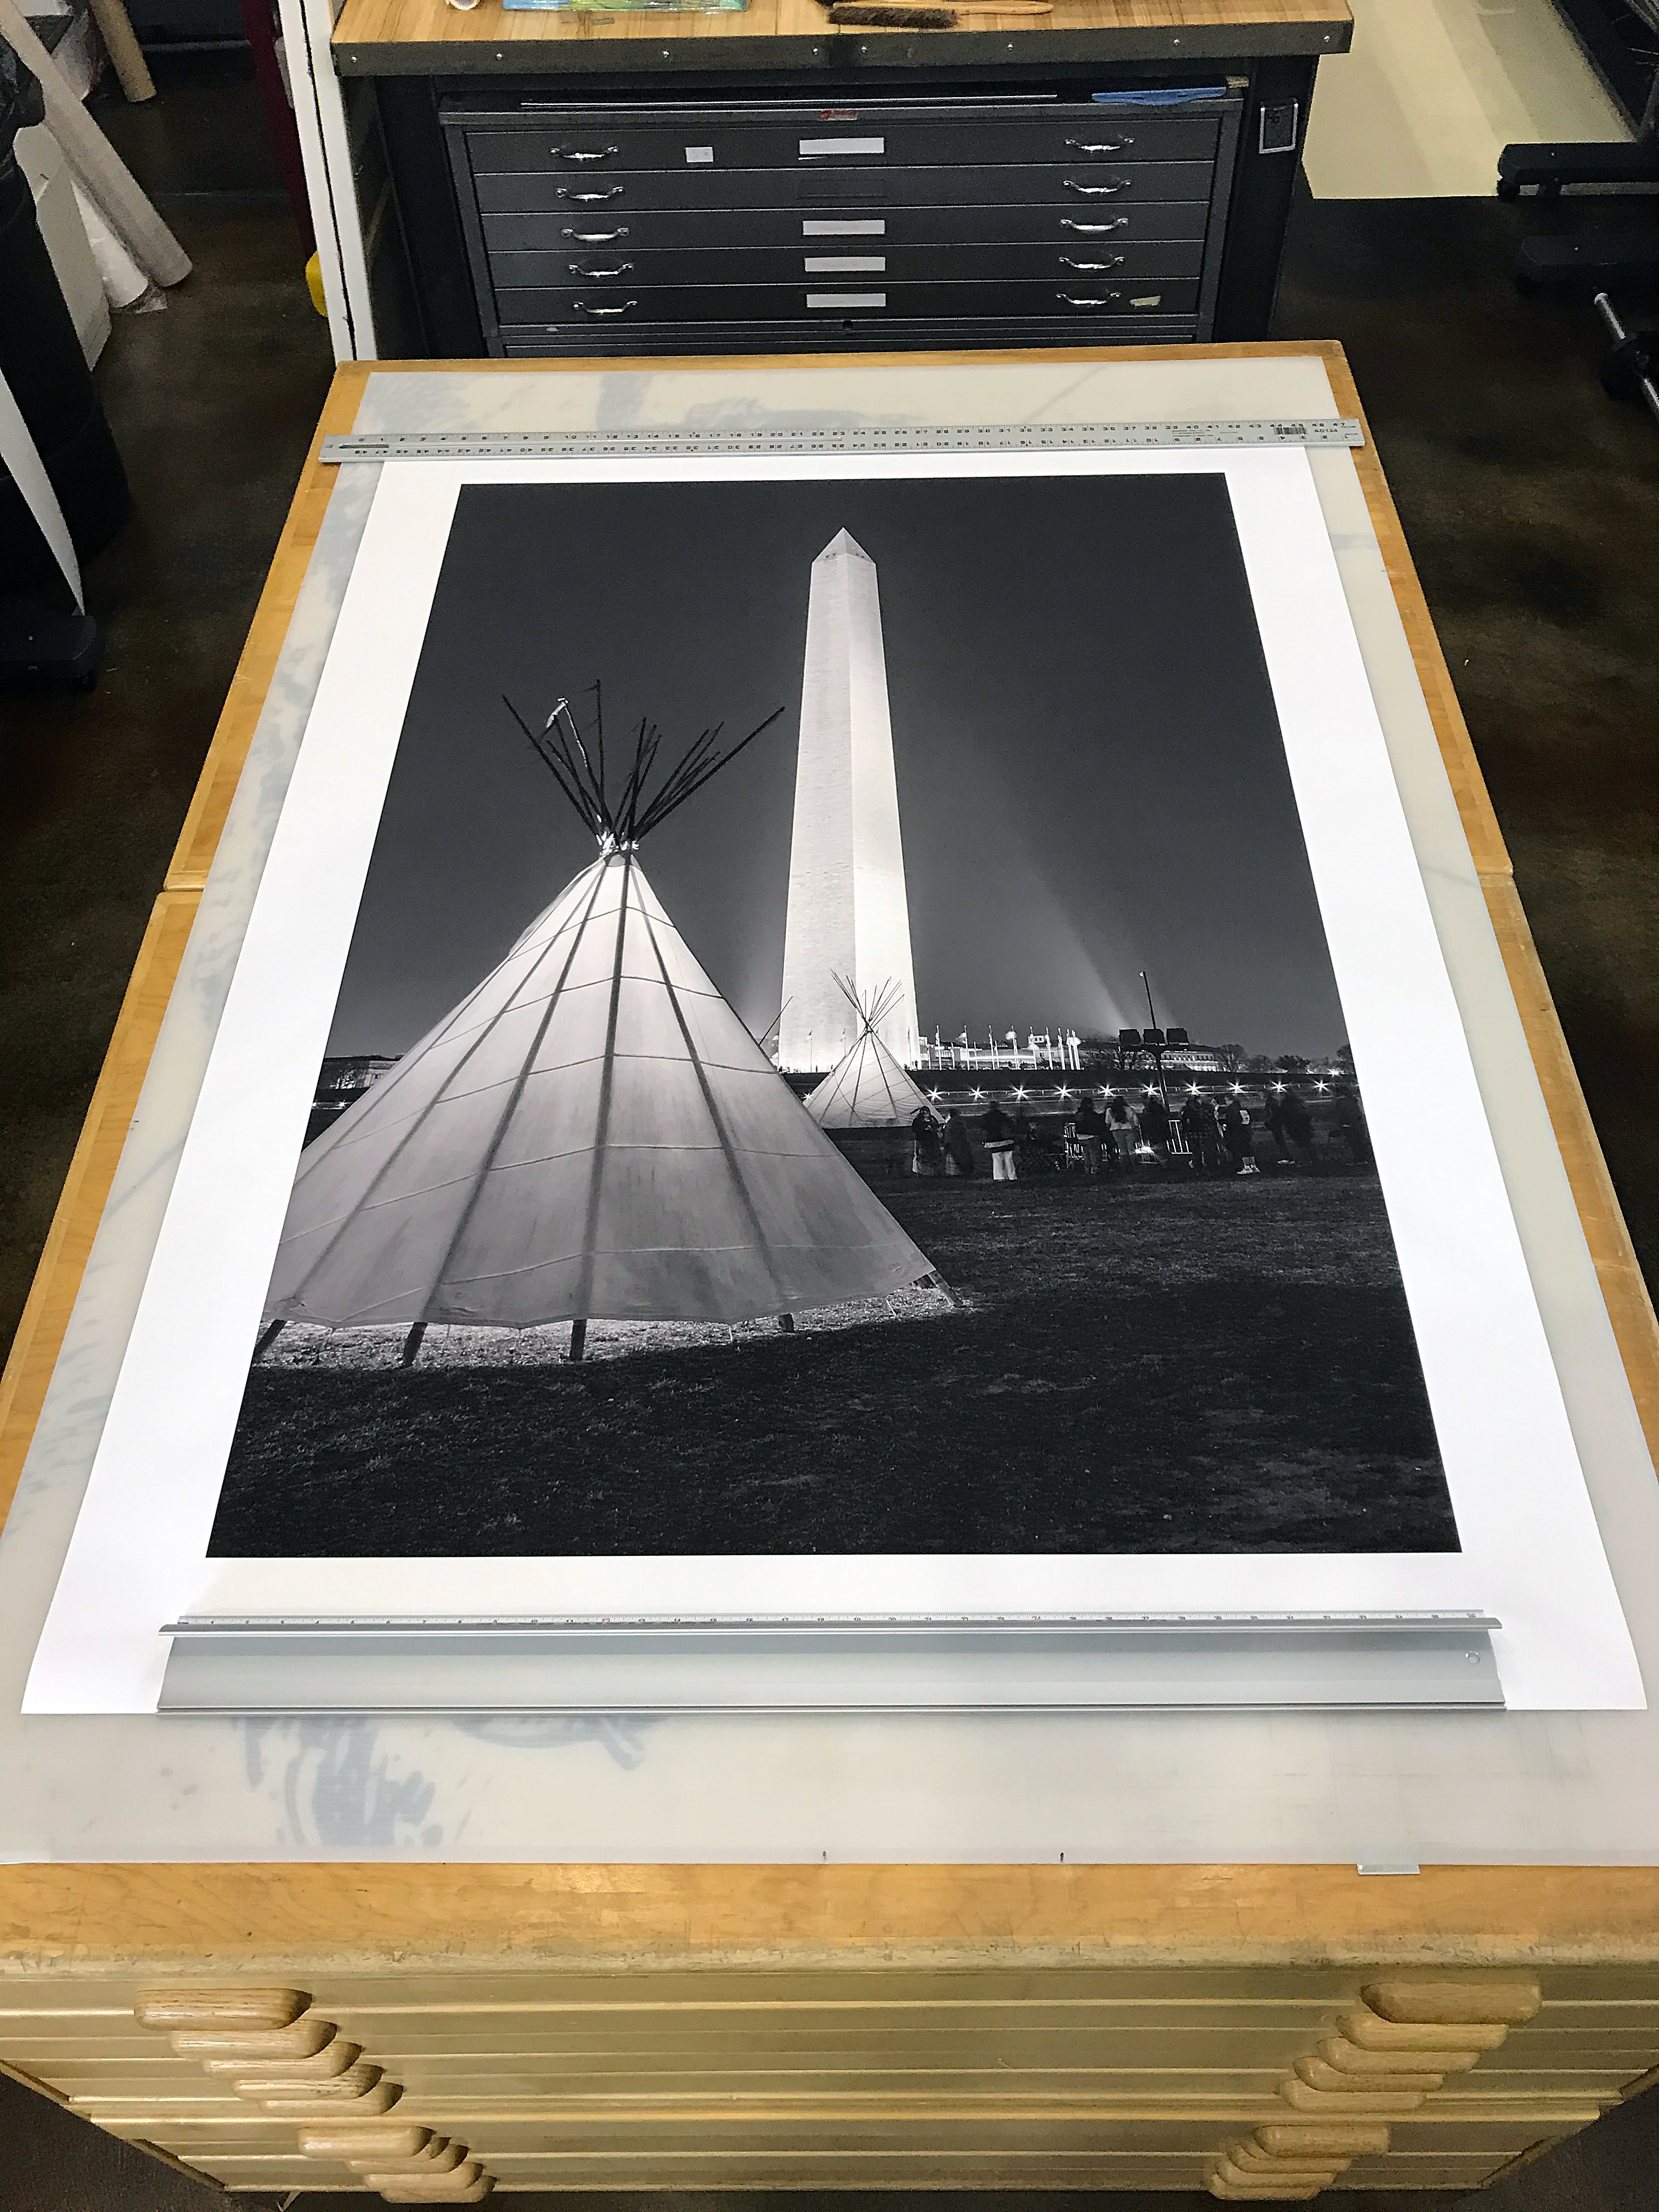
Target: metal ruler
(1457, 1624)
(862, 439)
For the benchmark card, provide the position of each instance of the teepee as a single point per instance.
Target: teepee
(591, 1133)
(867, 1089)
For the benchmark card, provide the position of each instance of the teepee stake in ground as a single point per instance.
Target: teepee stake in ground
(590, 1134)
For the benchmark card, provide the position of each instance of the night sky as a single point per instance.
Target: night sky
(1090, 778)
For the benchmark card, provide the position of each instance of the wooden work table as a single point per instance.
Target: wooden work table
(388, 38)
(414, 287)
(609, 2020)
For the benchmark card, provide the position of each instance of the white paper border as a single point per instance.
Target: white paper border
(1532, 1553)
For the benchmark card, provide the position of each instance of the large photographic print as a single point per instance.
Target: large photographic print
(839, 1054)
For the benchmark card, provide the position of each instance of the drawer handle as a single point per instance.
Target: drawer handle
(1094, 230)
(1092, 268)
(585, 153)
(592, 307)
(1111, 300)
(1098, 191)
(605, 192)
(1099, 145)
(596, 237)
(622, 269)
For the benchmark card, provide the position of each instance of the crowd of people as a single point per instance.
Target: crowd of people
(1104, 1133)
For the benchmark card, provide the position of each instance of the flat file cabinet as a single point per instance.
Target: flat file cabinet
(794, 226)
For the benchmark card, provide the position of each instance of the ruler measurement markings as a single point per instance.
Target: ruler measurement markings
(871, 438)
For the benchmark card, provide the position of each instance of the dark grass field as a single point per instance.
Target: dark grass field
(1138, 1365)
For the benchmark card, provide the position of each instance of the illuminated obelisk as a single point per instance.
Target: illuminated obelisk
(849, 917)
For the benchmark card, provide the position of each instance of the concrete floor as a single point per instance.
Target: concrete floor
(1432, 90)
(1529, 500)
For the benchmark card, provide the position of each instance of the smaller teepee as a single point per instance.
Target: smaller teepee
(867, 1089)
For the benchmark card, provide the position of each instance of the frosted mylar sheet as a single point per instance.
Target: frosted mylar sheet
(1321, 1788)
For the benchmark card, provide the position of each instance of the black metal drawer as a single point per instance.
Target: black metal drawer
(833, 229)
(996, 221)
(1068, 185)
(834, 300)
(844, 260)
(630, 340)
(586, 141)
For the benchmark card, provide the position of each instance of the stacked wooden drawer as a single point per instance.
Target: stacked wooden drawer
(789, 226)
(1028, 2074)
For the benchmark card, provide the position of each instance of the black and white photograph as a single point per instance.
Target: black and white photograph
(839, 1054)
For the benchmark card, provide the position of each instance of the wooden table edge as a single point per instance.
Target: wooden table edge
(299, 1917)
(79, 1207)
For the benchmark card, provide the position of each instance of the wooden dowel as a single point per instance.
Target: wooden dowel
(115, 28)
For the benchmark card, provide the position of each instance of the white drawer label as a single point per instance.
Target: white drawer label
(847, 265)
(810, 147)
(876, 228)
(703, 153)
(847, 299)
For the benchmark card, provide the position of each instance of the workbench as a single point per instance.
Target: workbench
(1096, 1950)
(419, 93)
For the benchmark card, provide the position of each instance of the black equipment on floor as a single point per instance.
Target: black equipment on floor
(1595, 260)
(41, 361)
(1631, 371)
(1545, 169)
(1591, 264)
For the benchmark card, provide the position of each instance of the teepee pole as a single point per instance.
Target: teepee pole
(688, 764)
(268, 1336)
(578, 1338)
(412, 1345)
(657, 812)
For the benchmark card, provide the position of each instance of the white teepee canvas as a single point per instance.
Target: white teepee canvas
(591, 1133)
(867, 1089)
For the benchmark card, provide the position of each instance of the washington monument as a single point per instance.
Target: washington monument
(848, 921)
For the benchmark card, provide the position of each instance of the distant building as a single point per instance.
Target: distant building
(1056, 1048)
(1181, 1058)
(341, 1083)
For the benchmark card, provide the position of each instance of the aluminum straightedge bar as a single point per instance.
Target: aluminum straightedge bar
(672, 443)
